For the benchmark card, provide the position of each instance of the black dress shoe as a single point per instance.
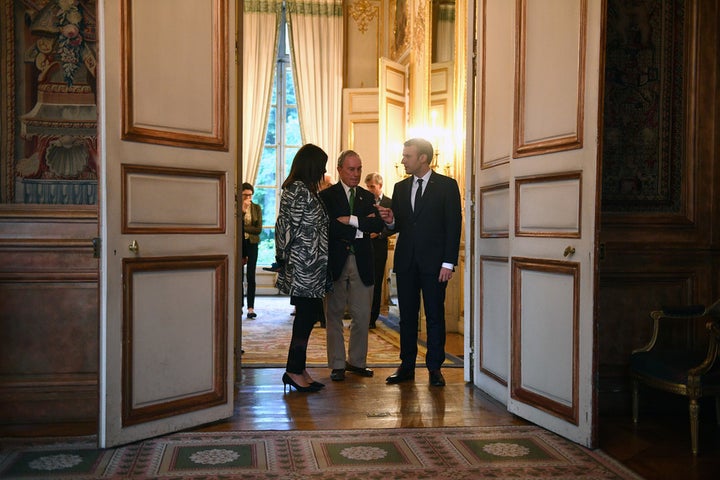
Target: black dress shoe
(436, 378)
(401, 375)
(363, 372)
(337, 375)
(275, 267)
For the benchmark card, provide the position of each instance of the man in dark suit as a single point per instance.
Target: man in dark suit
(353, 216)
(427, 214)
(374, 184)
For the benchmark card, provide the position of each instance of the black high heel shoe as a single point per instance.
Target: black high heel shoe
(313, 383)
(289, 382)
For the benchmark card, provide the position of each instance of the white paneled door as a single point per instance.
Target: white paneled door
(167, 89)
(536, 161)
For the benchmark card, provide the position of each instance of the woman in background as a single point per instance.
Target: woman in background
(301, 251)
(252, 227)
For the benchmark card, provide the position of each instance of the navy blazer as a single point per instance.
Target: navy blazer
(430, 236)
(342, 236)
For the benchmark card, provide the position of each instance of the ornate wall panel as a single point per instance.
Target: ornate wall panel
(48, 132)
(644, 119)
(48, 318)
(360, 125)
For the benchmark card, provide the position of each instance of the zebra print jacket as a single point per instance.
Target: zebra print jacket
(301, 243)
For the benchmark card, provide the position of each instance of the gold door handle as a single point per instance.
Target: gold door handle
(134, 247)
(569, 250)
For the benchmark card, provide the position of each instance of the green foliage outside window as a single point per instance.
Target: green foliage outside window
(282, 141)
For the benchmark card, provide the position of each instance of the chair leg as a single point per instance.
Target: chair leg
(694, 415)
(635, 400)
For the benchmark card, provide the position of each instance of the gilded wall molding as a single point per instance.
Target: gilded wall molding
(364, 13)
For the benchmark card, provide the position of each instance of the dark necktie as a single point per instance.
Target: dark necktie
(418, 195)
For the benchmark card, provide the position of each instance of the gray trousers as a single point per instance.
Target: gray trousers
(348, 290)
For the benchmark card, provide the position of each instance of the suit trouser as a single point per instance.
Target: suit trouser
(350, 291)
(409, 285)
(380, 259)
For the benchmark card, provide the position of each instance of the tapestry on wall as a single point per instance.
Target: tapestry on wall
(49, 129)
(643, 114)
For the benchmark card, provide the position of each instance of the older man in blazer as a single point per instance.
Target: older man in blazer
(374, 184)
(427, 214)
(353, 217)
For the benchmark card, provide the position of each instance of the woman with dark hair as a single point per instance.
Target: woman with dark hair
(301, 251)
(252, 228)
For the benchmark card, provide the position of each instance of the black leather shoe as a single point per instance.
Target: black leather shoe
(363, 372)
(275, 267)
(436, 378)
(401, 375)
(337, 375)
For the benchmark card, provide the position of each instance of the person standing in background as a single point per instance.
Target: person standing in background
(374, 183)
(427, 215)
(301, 257)
(353, 216)
(252, 227)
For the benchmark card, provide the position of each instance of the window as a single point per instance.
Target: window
(282, 141)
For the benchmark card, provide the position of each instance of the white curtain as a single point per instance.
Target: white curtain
(261, 28)
(445, 41)
(316, 33)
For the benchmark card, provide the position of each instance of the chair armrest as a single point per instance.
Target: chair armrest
(674, 313)
(713, 327)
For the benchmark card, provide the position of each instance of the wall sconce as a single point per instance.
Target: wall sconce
(441, 139)
(395, 149)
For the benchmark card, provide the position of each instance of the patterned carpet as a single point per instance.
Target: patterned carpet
(519, 452)
(265, 339)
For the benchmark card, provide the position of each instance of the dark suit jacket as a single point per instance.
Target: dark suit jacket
(342, 236)
(430, 236)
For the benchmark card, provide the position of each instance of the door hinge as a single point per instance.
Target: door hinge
(97, 244)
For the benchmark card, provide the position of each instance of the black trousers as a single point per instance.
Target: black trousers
(307, 312)
(410, 285)
(251, 250)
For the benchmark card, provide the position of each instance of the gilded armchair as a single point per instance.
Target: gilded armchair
(691, 372)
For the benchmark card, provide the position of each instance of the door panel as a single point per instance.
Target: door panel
(495, 25)
(553, 249)
(392, 118)
(550, 177)
(169, 188)
(545, 342)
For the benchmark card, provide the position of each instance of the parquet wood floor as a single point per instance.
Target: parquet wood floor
(657, 449)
